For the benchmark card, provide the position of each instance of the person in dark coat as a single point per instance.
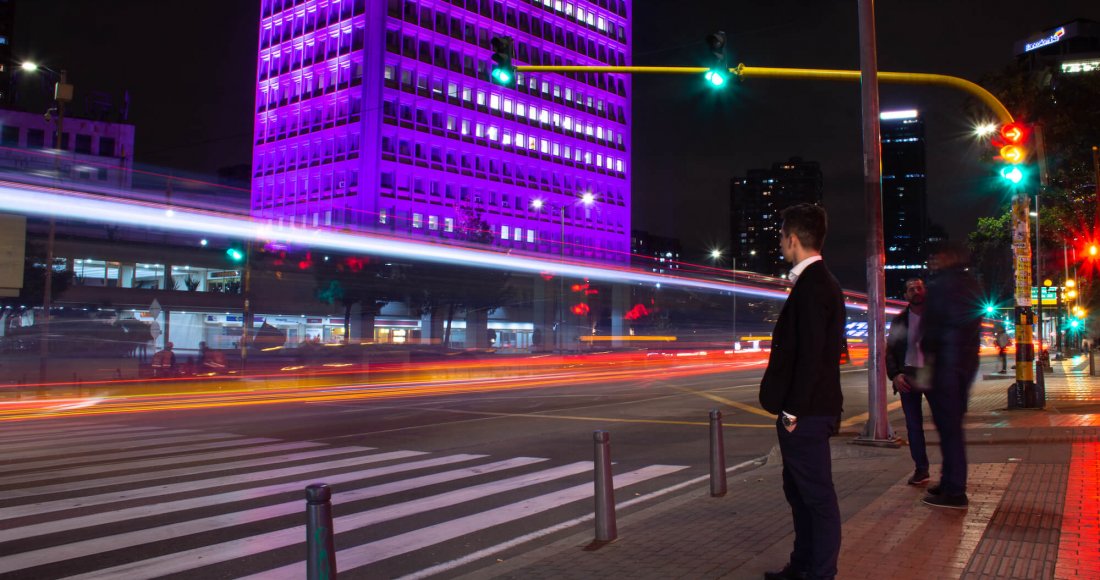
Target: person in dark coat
(904, 361)
(802, 386)
(950, 339)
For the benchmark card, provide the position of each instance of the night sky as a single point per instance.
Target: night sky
(190, 70)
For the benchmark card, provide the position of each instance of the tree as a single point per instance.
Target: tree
(351, 280)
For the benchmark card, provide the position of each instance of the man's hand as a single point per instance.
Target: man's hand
(901, 383)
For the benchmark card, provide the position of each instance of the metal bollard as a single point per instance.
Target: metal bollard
(717, 455)
(1092, 364)
(320, 549)
(606, 530)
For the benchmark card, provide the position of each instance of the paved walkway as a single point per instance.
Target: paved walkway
(1034, 508)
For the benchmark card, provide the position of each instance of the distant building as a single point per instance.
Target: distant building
(380, 116)
(1070, 48)
(904, 198)
(654, 253)
(96, 152)
(756, 202)
(7, 31)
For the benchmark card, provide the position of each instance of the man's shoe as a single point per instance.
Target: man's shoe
(787, 573)
(958, 502)
(920, 477)
(933, 489)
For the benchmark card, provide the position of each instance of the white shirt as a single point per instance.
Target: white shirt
(798, 269)
(913, 356)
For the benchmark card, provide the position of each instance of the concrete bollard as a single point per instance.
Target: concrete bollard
(606, 530)
(320, 548)
(717, 455)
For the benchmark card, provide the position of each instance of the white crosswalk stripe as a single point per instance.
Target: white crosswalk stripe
(172, 505)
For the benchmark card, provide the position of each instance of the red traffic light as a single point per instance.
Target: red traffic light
(1013, 132)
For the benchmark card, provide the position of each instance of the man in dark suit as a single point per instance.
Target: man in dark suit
(802, 386)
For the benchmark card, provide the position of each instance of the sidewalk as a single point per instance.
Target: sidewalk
(1034, 503)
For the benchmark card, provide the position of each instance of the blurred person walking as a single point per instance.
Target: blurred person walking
(802, 386)
(950, 338)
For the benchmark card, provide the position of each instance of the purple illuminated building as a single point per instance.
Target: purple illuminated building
(379, 115)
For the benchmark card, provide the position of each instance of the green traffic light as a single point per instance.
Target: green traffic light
(502, 76)
(1012, 174)
(235, 254)
(715, 77)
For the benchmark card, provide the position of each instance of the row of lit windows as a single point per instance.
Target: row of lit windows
(468, 30)
(310, 84)
(574, 14)
(313, 116)
(312, 51)
(296, 23)
(429, 51)
(512, 109)
(393, 183)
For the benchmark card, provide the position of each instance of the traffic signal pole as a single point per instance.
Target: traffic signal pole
(877, 429)
(1021, 395)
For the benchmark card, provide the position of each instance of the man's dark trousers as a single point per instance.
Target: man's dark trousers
(914, 423)
(808, 485)
(948, 401)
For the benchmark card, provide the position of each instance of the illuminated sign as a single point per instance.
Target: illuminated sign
(1081, 66)
(1055, 37)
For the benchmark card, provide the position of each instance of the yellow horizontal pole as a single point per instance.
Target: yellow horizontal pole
(743, 71)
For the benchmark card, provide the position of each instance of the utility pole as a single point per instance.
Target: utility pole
(877, 430)
(62, 93)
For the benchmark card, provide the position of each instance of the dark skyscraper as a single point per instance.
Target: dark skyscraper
(7, 24)
(904, 197)
(756, 201)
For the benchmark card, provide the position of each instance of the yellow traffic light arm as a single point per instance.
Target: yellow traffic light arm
(743, 71)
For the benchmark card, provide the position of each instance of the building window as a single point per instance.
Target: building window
(448, 224)
(106, 147)
(530, 236)
(433, 222)
(418, 221)
(382, 216)
(36, 138)
(504, 232)
(9, 136)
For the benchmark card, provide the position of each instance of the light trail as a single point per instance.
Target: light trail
(66, 204)
(606, 370)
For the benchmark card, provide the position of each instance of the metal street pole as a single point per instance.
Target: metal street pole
(734, 292)
(877, 430)
(62, 94)
(1022, 393)
(246, 317)
(561, 283)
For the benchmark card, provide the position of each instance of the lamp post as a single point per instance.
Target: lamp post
(716, 255)
(62, 93)
(588, 199)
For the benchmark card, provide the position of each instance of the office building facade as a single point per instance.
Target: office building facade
(756, 201)
(904, 198)
(379, 116)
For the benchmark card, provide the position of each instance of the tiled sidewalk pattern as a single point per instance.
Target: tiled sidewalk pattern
(899, 537)
(1079, 545)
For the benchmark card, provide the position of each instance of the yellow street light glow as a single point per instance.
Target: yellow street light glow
(1048, 282)
(1070, 283)
(1071, 294)
(985, 129)
(29, 66)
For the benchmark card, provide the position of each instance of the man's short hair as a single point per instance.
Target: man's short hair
(808, 223)
(909, 281)
(950, 252)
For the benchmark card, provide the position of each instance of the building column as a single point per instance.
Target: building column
(542, 315)
(477, 328)
(620, 304)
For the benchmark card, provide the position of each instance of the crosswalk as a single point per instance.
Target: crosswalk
(116, 501)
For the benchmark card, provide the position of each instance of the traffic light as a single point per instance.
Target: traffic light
(503, 73)
(1013, 152)
(235, 254)
(719, 69)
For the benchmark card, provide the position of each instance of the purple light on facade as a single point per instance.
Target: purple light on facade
(379, 115)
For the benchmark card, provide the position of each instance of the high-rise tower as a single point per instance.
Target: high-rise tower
(904, 198)
(379, 115)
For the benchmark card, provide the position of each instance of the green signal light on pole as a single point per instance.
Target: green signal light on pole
(502, 76)
(235, 254)
(1013, 174)
(989, 309)
(718, 73)
(504, 72)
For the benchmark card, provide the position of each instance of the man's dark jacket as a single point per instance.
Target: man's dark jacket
(897, 344)
(803, 374)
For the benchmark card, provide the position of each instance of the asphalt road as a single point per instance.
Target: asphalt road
(437, 484)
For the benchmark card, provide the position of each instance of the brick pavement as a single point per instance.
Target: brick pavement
(1034, 492)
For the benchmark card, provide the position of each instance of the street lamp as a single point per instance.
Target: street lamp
(62, 94)
(716, 255)
(588, 199)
